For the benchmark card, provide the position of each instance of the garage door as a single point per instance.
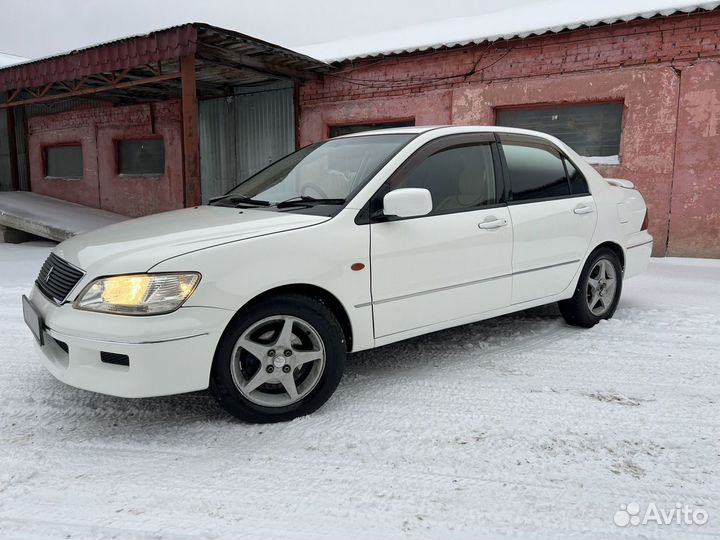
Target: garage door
(242, 134)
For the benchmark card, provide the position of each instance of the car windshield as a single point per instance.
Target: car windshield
(325, 173)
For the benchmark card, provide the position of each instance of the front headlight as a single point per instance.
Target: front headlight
(138, 294)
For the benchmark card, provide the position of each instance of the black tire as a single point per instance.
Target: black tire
(576, 310)
(310, 310)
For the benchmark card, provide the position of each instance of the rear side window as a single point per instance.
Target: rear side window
(536, 171)
(578, 184)
(458, 178)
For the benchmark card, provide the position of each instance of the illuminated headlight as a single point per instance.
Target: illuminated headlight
(138, 294)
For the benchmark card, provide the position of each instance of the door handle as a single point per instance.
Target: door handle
(583, 209)
(492, 223)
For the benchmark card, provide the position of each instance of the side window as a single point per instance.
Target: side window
(578, 184)
(536, 171)
(458, 178)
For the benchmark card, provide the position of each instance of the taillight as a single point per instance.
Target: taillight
(645, 222)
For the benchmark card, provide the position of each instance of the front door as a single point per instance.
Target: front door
(455, 262)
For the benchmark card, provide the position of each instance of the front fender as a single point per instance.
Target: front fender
(320, 256)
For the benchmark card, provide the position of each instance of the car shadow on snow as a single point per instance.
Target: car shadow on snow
(449, 345)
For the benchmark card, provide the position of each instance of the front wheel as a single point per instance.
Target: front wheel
(598, 290)
(280, 359)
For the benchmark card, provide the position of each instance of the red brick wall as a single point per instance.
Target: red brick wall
(665, 70)
(695, 209)
(98, 130)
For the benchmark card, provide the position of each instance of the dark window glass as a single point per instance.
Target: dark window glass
(590, 130)
(64, 161)
(145, 157)
(536, 172)
(458, 178)
(578, 184)
(336, 131)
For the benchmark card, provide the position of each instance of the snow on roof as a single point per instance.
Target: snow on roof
(521, 21)
(11, 59)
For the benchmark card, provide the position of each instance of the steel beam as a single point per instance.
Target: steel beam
(220, 55)
(12, 150)
(191, 139)
(91, 90)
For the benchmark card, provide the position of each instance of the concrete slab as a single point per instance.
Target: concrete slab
(51, 218)
(14, 236)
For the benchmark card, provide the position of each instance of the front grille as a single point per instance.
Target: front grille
(57, 278)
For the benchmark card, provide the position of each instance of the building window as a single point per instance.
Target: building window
(591, 130)
(64, 161)
(336, 131)
(142, 157)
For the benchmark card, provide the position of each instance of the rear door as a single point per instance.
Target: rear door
(553, 216)
(455, 262)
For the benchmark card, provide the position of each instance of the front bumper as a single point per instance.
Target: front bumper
(166, 354)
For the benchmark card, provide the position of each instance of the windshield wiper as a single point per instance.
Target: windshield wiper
(240, 199)
(304, 200)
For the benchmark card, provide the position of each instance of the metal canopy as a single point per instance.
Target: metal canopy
(190, 61)
(147, 67)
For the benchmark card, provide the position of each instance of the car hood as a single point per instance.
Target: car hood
(138, 244)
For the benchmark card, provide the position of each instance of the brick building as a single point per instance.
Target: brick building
(640, 97)
(169, 119)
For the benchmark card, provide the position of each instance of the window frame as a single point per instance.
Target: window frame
(45, 160)
(371, 210)
(154, 137)
(509, 138)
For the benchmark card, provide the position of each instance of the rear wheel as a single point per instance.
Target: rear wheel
(281, 359)
(598, 290)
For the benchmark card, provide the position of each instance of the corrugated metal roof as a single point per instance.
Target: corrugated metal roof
(518, 22)
(118, 54)
(160, 45)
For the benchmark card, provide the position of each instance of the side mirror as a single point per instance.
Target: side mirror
(407, 202)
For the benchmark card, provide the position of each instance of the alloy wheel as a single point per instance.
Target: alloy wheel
(277, 361)
(601, 287)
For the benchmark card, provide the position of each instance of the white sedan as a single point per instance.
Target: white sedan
(344, 245)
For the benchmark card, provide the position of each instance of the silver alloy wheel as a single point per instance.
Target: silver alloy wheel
(601, 287)
(278, 361)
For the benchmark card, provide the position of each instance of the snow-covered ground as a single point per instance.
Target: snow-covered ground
(516, 427)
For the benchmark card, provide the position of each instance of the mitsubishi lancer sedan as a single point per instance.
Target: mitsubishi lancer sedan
(342, 246)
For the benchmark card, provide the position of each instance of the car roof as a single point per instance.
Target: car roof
(449, 130)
